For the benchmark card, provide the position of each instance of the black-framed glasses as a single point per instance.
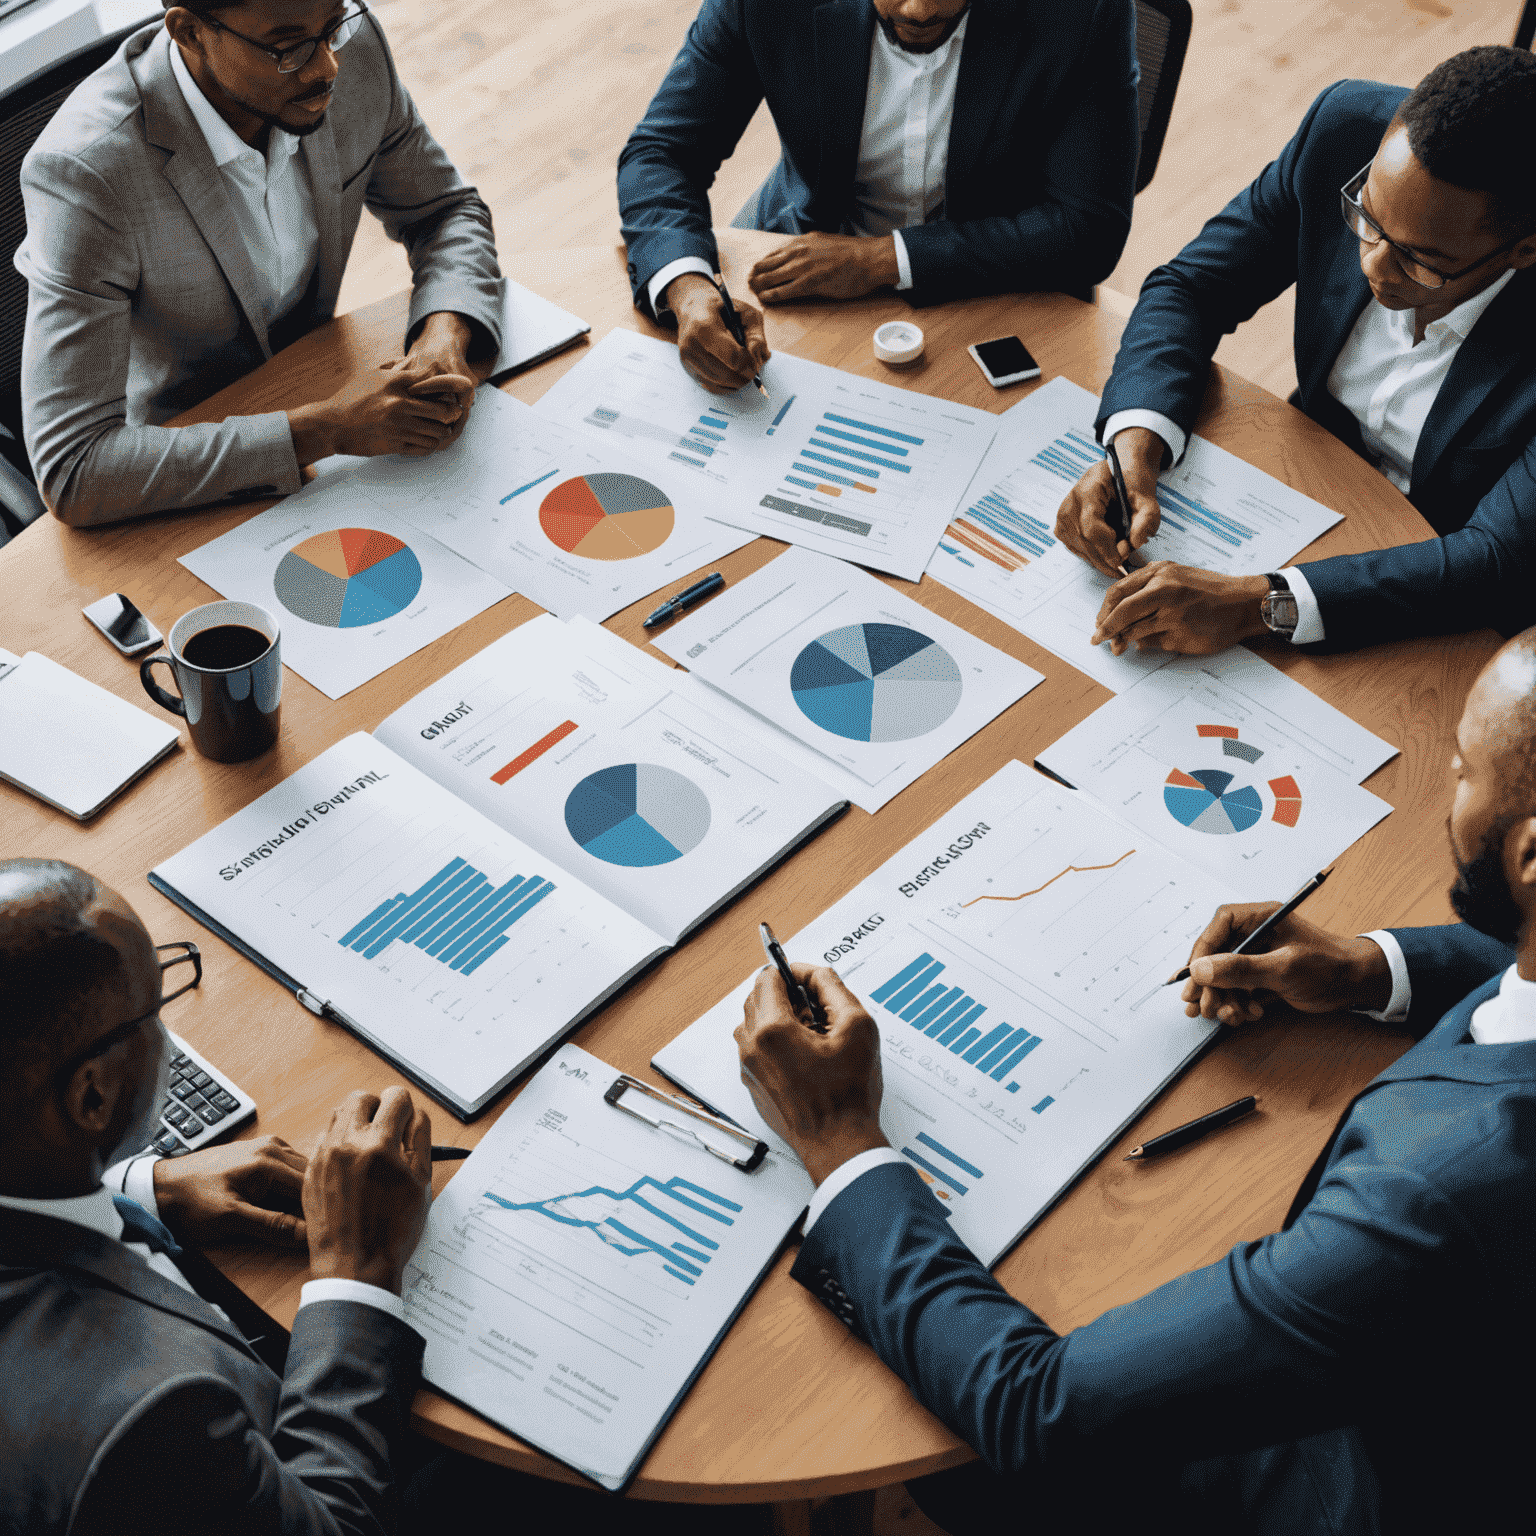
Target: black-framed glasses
(187, 954)
(296, 55)
(1365, 229)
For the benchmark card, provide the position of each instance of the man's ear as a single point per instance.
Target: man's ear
(1523, 254)
(185, 28)
(92, 1094)
(1520, 862)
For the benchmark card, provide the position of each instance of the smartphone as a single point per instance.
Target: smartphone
(1004, 361)
(122, 624)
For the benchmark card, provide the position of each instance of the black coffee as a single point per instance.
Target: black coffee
(225, 645)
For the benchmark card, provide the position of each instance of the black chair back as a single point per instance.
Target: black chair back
(1525, 28)
(1162, 39)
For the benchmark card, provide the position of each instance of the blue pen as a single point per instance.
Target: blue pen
(686, 599)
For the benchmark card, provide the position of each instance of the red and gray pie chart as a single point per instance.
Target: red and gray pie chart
(348, 577)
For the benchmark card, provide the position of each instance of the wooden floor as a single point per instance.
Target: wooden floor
(534, 98)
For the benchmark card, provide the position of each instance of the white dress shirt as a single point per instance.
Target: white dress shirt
(270, 196)
(909, 104)
(1505, 1019)
(1386, 382)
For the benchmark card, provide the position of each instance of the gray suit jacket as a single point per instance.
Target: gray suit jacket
(128, 1404)
(141, 298)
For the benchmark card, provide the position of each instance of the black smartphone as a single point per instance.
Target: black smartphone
(1004, 361)
(122, 624)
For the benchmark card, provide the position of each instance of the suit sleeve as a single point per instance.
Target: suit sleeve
(1247, 1352)
(693, 123)
(81, 263)
(1476, 577)
(1445, 963)
(191, 1452)
(1072, 237)
(421, 200)
(1243, 257)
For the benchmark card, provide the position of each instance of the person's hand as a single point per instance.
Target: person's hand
(240, 1192)
(818, 266)
(1306, 966)
(382, 412)
(1168, 607)
(1085, 521)
(820, 1092)
(438, 364)
(367, 1189)
(707, 349)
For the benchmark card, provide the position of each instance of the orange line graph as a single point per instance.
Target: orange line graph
(1071, 869)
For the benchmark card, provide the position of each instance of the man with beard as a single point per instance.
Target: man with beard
(1359, 1370)
(190, 211)
(944, 148)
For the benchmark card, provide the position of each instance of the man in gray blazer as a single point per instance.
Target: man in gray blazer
(190, 210)
(129, 1403)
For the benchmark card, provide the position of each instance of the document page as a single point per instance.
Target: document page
(598, 765)
(842, 464)
(1000, 551)
(879, 685)
(447, 943)
(560, 514)
(581, 1267)
(1014, 956)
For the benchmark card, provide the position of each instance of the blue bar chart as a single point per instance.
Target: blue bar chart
(950, 1017)
(457, 917)
(937, 1165)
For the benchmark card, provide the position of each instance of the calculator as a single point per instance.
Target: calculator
(201, 1105)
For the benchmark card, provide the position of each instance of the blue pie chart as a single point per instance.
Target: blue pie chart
(637, 815)
(1209, 800)
(876, 682)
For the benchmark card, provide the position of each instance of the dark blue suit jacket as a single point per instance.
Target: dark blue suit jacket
(1399, 1300)
(1042, 146)
(1474, 474)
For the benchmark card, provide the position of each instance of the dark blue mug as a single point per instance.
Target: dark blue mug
(226, 661)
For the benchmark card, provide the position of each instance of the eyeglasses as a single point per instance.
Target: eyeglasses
(296, 55)
(187, 955)
(1365, 229)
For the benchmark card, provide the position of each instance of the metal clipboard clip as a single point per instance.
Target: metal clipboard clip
(730, 1143)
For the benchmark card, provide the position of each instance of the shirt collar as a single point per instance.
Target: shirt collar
(1470, 311)
(224, 143)
(94, 1210)
(1509, 1018)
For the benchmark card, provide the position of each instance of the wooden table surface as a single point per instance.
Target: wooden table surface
(791, 1406)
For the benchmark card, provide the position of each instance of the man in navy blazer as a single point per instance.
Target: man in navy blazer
(946, 148)
(1407, 223)
(1363, 1369)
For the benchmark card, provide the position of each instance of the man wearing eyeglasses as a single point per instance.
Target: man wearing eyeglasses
(190, 211)
(1407, 223)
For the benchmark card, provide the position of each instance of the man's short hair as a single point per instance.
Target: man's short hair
(1471, 121)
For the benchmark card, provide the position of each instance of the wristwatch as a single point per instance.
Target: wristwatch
(1279, 610)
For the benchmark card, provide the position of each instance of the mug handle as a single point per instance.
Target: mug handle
(155, 691)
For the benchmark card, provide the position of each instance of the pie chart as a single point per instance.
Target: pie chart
(606, 517)
(348, 577)
(637, 815)
(876, 682)
(1210, 800)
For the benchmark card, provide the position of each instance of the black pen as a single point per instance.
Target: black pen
(1122, 505)
(799, 999)
(685, 599)
(1182, 1135)
(1262, 931)
(734, 326)
(449, 1154)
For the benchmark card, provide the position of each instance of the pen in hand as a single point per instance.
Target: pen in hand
(1252, 940)
(799, 999)
(734, 326)
(1121, 522)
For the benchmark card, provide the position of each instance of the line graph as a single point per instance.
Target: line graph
(1071, 869)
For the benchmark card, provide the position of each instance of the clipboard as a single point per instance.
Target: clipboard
(726, 1140)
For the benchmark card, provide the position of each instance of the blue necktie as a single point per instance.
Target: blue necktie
(140, 1227)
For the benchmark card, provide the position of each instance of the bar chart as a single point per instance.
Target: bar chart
(457, 917)
(950, 1017)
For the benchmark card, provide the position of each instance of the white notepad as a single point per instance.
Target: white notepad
(532, 329)
(69, 742)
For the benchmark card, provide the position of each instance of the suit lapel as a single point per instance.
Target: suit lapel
(989, 59)
(169, 125)
(1500, 341)
(843, 30)
(1342, 300)
(319, 151)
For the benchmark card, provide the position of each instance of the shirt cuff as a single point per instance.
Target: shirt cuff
(353, 1290)
(658, 284)
(135, 1177)
(903, 262)
(1402, 989)
(844, 1175)
(1176, 437)
(1309, 618)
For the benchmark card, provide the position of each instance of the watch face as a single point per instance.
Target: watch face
(1279, 611)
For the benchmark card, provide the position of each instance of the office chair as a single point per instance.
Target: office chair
(1525, 28)
(1162, 39)
(25, 110)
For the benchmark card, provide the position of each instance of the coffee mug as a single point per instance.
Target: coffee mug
(226, 663)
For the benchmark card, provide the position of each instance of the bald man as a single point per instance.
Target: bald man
(1361, 1370)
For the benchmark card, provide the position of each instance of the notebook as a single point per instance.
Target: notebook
(532, 329)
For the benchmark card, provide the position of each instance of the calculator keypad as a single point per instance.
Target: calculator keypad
(195, 1104)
